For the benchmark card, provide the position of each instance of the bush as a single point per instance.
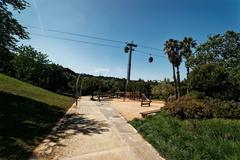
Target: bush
(226, 109)
(187, 107)
(191, 108)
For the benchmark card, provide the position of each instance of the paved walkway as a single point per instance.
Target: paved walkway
(93, 130)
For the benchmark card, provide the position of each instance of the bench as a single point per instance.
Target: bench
(145, 100)
(146, 113)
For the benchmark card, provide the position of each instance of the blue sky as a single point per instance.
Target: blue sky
(147, 22)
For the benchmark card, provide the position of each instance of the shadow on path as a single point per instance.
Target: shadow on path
(24, 123)
(72, 124)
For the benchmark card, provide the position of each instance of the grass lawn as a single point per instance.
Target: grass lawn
(191, 139)
(27, 114)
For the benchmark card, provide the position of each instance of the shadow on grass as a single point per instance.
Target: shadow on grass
(24, 123)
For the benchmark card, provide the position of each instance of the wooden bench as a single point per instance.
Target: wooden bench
(146, 113)
(145, 100)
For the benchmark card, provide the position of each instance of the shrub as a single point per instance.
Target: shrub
(226, 109)
(187, 107)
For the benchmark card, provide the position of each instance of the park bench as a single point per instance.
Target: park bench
(145, 100)
(146, 113)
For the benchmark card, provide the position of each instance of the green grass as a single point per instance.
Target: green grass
(16, 87)
(191, 139)
(27, 114)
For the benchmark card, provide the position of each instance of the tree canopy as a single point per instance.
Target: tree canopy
(11, 30)
(216, 66)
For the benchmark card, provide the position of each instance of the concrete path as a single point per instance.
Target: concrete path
(93, 130)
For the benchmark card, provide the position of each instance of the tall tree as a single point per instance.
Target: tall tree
(10, 29)
(177, 61)
(186, 50)
(169, 50)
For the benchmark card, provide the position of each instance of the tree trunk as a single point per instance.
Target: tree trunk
(175, 81)
(187, 71)
(187, 78)
(179, 81)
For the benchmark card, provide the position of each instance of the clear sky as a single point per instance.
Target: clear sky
(147, 22)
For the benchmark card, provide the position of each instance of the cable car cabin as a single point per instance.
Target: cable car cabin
(126, 49)
(150, 59)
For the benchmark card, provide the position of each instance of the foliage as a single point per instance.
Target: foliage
(210, 79)
(163, 90)
(172, 48)
(186, 49)
(28, 63)
(222, 54)
(140, 86)
(32, 66)
(234, 78)
(5, 58)
(89, 85)
(189, 108)
(226, 109)
(176, 50)
(191, 139)
(223, 49)
(10, 27)
(186, 46)
(196, 95)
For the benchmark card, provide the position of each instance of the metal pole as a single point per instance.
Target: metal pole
(130, 49)
(129, 64)
(76, 94)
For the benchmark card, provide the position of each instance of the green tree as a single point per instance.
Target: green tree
(10, 29)
(163, 90)
(28, 63)
(169, 50)
(172, 49)
(222, 50)
(212, 80)
(186, 50)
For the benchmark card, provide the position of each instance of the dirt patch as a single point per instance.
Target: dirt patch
(131, 109)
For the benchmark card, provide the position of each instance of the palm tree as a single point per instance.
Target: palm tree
(186, 50)
(169, 50)
(177, 62)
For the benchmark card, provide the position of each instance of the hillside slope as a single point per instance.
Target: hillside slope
(20, 88)
(27, 114)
